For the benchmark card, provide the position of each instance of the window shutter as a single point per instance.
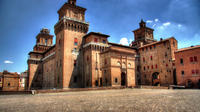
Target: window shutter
(193, 72)
(195, 59)
(191, 59)
(76, 40)
(197, 71)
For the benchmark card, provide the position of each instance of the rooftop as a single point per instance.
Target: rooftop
(120, 45)
(96, 33)
(188, 48)
(157, 42)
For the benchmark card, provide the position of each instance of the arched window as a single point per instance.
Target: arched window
(118, 63)
(105, 61)
(129, 65)
(46, 41)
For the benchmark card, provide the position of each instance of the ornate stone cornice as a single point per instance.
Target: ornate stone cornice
(71, 24)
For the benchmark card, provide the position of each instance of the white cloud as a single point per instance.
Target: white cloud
(124, 41)
(179, 25)
(166, 24)
(153, 25)
(161, 27)
(8, 62)
(156, 20)
(149, 21)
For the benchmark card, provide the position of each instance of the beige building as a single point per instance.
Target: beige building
(81, 59)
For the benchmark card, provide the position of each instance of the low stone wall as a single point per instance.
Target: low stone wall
(153, 87)
(75, 89)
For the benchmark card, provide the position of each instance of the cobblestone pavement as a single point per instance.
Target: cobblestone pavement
(125, 100)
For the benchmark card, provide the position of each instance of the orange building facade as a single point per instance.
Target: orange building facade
(188, 66)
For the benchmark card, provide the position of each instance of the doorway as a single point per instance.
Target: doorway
(174, 76)
(123, 79)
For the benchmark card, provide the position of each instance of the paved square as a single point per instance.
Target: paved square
(125, 100)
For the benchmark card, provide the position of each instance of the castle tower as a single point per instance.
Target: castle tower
(143, 35)
(69, 31)
(43, 42)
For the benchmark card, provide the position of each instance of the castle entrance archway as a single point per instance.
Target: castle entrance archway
(155, 79)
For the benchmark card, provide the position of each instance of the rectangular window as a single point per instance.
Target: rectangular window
(142, 49)
(0, 79)
(143, 59)
(195, 59)
(144, 68)
(156, 66)
(182, 73)
(9, 84)
(46, 41)
(148, 67)
(151, 58)
(105, 61)
(197, 71)
(116, 80)
(75, 41)
(151, 66)
(191, 59)
(193, 72)
(181, 61)
(95, 39)
(166, 65)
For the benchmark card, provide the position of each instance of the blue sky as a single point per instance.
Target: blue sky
(21, 21)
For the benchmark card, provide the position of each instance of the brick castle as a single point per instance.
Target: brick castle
(80, 59)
